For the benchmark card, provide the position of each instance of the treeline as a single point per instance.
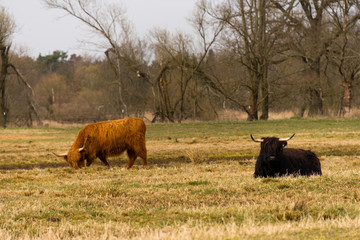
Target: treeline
(251, 56)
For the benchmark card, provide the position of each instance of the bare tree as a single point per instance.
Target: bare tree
(122, 47)
(343, 53)
(177, 58)
(177, 52)
(108, 21)
(7, 27)
(309, 37)
(252, 34)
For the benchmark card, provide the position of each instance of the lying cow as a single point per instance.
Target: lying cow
(108, 138)
(275, 160)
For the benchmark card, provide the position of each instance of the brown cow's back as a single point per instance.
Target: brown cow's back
(114, 136)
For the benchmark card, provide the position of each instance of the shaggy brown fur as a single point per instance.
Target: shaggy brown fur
(108, 138)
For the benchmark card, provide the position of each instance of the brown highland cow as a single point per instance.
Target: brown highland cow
(108, 138)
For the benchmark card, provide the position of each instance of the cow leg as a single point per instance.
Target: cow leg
(90, 158)
(143, 157)
(89, 161)
(141, 152)
(103, 159)
(132, 157)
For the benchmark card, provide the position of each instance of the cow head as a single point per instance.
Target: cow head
(75, 156)
(271, 147)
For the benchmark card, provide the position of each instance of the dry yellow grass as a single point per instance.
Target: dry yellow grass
(199, 185)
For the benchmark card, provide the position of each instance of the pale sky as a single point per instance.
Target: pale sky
(42, 30)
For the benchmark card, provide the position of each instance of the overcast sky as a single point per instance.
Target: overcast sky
(42, 30)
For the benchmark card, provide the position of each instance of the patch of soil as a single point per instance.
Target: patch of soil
(32, 166)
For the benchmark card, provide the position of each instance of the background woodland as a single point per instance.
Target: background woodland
(249, 57)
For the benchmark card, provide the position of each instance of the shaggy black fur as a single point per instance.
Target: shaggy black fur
(275, 160)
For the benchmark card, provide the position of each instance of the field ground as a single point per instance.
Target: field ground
(198, 185)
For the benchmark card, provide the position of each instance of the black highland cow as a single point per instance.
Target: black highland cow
(275, 160)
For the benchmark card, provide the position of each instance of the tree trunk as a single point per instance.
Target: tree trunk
(4, 51)
(182, 98)
(263, 67)
(346, 99)
(265, 108)
(5, 65)
(315, 91)
(116, 67)
(265, 97)
(316, 104)
(165, 100)
(253, 116)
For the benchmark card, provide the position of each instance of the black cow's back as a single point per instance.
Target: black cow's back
(299, 161)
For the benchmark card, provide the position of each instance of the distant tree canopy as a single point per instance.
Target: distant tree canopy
(55, 57)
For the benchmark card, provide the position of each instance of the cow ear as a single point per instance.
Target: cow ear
(284, 143)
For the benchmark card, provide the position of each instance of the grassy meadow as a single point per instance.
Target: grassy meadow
(199, 185)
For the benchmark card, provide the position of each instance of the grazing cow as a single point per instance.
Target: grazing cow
(275, 160)
(108, 138)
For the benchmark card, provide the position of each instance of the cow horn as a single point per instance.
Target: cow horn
(83, 147)
(60, 155)
(287, 139)
(256, 140)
